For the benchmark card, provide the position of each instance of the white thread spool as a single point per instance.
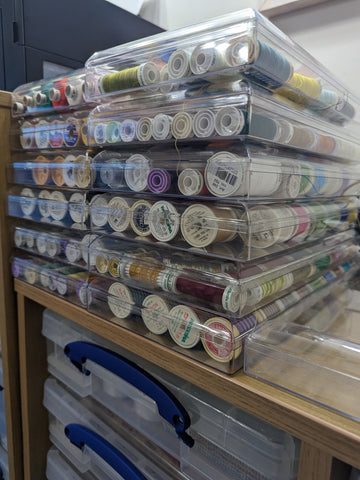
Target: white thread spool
(229, 121)
(19, 238)
(18, 108)
(207, 58)
(143, 129)
(27, 202)
(44, 202)
(155, 314)
(204, 123)
(27, 135)
(179, 64)
(128, 130)
(73, 251)
(161, 127)
(120, 300)
(82, 171)
(191, 182)
(164, 221)
(240, 52)
(68, 170)
(285, 131)
(148, 74)
(42, 134)
(99, 210)
(41, 243)
(182, 125)
(184, 326)
(74, 92)
(100, 133)
(58, 205)
(78, 209)
(119, 214)
(137, 169)
(164, 77)
(29, 101)
(290, 181)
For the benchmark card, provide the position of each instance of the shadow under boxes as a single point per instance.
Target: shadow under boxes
(62, 131)
(208, 114)
(224, 229)
(228, 47)
(238, 173)
(56, 170)
(45, 96)
(56, 207)
(227, 287)
(313, 359)
(69, 282)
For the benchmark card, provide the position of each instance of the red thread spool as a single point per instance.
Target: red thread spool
(57, 93)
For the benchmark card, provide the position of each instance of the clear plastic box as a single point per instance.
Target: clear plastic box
(237, 173)
(57, 468)
(68, 411)
(214, 339)
(57, 207)
(65, 92)
(232, 46)
(314, 359)
(228, 442)
(61, 131)
(224, 228)
(208, 117)
(64, 246)
(226, 287)
(56, 170)
(69, 282)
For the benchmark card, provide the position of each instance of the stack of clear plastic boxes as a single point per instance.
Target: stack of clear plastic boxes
(216, 181)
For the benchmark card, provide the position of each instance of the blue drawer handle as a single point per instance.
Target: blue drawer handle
(81, 436)
(168, 405)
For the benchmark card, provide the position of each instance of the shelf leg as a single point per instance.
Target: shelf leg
(318, 465)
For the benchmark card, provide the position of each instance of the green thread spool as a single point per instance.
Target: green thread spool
(135, 77)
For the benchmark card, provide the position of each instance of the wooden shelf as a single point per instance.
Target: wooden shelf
(320, 429)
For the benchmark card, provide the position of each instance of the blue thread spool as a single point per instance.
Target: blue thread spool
(262, 127)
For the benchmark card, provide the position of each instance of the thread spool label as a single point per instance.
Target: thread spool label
(120, 300)
(58, 205)
(184, 326)
(77, 209)
(18, 238)
(155, 313)
(27, 201)
(42, 134)
(99, 211)
(225, 175)
(118, 214)
(53, 248)
(191, 182)
(100, 133)
(73, 251)
(164, 221)
(102, 264)
(72, 132)
(218, 339)
(140, 214)
(31, 275)
(167, 281)
(128, 130)
(56, 134)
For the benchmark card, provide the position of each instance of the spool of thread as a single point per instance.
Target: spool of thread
(119, 214)
(88, 239)
(161, 127)
(137, 169)
(159, 180)
(191, 182)
(27, 135)
(68, 170)
(112, 132)
(128, 130)
(78, 208)
(66, 284)
(144, 129)
(304, 223)
(44, 203)
(111, 170)
(58, 205)
(30, 240)
(17, 268)
(102, 264)
(284, 131)
(82, 171)
(18, 108)
(164, 221)
(85, 133)
(326, 144)
(140, 218)
(204, 123)
(184, 326)
(31, 274)
(46, 274)
(56, 134)
(113, 267)
(27, 202)
(41, 171)
(19, 238)
(164, 77)
(143, 272)
(54, 246)
(271, 68)
(42, 99)
(121, 299)
(308, 174)
(202, 225)
(72, 132)
(155, 314)
(179, 64)
(57, 94)
(57, 171)
(139, 76)
(29, 102)
(99, 210)
(74, 92)
(306, 89)
(220, 337)
(73, 251)
(182, 125)
(304, 137)
(263, 127)
(100, 133)
(205, 58)
(269, 288)
(42, 134)
(229, 121)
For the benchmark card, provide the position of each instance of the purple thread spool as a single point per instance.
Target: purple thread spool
(159, 180)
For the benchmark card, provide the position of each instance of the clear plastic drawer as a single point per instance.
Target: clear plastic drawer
(228, 443)
(207, 117)
(57, 207)
(43, 96)
(227, 287)
(315, 355)
(67, 281)
(65, 246)
(242, 44)
(56, 170)
(238, 173)
(62, 131)
(212, 338)
(224, 228)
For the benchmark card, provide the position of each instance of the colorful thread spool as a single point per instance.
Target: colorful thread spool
(112, 132)
(74, 92)
(159, 180)
(72, 132)
(41, 171)
(221, 337)
(128, 130)
(78, 209)
(165, 78)
(140, 76)
(99, 210)
(42, 134)
(58, 205)
(57, 94)
(56, 134)
(121, 299)
(27, 135)
(57, 171)
(27, 202)
(44, 203)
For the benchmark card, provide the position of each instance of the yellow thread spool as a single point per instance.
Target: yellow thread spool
(310, 87)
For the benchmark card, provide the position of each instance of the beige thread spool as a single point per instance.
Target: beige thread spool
(41, 171)
(42, 136)
(57, 171)
(202, 225)
(27, 135)
(182, 125)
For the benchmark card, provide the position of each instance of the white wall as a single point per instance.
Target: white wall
(329, 31)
